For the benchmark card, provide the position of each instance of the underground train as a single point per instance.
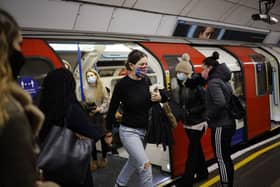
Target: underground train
(255, 77)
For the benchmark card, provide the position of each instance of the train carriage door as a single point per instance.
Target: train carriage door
(255, 86)
(40, 59)
(273, 85)
(236, 82)
(167, 54)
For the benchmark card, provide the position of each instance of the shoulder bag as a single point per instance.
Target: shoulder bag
(65, 156)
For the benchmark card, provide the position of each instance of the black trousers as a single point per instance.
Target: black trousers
(195, 163)
(221, 142)
(104, 148)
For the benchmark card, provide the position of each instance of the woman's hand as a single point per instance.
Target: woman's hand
(46, 184)
(156, 97)
(108, 138)
(95, 111)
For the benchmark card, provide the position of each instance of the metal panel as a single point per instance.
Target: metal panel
(129, 21)
(213, 11)
(240, 16)
(42, 14)
(90, 18)
(163, 6)
(166, 26)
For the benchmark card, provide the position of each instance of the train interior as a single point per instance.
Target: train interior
(255, 79)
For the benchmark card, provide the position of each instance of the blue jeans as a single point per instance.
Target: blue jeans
(132, 140)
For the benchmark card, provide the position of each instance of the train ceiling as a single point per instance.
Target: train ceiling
(145, 17)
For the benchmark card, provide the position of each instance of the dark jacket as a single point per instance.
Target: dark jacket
(18, 150)
(191, 98)
(217, 97)
(77, 121)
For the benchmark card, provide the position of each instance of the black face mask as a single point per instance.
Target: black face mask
(17, 60)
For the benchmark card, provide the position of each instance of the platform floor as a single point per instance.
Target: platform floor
(255, 166)
(105, 177)
(259, 167)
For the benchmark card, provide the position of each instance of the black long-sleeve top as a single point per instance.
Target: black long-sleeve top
(136, 102)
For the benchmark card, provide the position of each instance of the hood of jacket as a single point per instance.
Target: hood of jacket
(221, 71)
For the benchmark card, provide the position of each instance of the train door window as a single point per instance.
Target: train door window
(272, 75)
(260, 72)
(261, 79)
(32, 74)
(37, 68)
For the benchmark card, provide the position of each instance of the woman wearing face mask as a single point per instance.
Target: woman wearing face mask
(133, 92)
(222, 125)
(190, 95)
(97, 104)
(20, 120)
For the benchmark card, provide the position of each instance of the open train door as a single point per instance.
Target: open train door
(167, 54)
(256, 92)
(40, 59)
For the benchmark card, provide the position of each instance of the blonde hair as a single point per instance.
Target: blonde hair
(9, 30)
(98, 91)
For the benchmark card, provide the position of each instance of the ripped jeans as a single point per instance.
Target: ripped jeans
(132, 140)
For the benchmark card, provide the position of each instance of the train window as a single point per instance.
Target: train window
(261, 74)
(172, 61)
(261, 86)
(237, 83)
(37, 68)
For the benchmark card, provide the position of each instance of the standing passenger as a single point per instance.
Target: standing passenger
(58, 100)
(97, 104)
(133, 92)
(20, 120)
(223, 126)
(190, 95)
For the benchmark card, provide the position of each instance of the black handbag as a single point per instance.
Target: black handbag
(65, 157)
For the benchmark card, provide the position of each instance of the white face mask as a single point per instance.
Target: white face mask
(181, 76)
(91, 80)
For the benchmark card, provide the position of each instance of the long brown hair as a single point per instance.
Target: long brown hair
(9, 30)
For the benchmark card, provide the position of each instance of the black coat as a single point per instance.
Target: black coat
(159, 131)
(218, 95)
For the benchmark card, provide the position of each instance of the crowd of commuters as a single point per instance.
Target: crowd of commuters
(21, 121)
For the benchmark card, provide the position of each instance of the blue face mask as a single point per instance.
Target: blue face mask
(140, 72)
(91, 80)
(181, 76)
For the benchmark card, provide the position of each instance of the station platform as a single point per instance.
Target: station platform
(257, 165)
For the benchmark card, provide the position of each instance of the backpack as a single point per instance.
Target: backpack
(235, 108)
